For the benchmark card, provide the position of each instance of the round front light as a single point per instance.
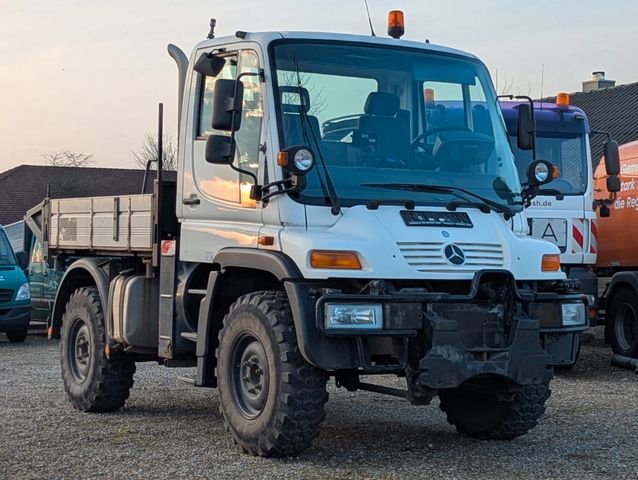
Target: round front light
(303, 160)
(541, 172)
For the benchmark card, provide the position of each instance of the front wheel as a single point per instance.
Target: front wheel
(484, 414)
(92, 382)
(271, 399)
(17, 336)
(622, 326)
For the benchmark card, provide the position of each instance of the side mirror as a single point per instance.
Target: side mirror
(539, 172)
(220, 149)
(209, 64)
(227, 99)
(526, 128)
(613, 184)
(23, 259)
(612, 158)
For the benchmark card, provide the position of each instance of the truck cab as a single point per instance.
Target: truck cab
(15, 297)
(320, 226)
(562, 212)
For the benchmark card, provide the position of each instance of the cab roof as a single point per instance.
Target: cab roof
(550, 117)
(264, 38)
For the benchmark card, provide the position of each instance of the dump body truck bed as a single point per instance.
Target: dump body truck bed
(122, 224)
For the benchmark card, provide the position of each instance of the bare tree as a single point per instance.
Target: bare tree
(507, 87)
(148, 150)
(67, 158)
(318, 101)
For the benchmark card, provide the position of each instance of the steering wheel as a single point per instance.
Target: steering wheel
(419, 145)
(561, 184)
(419, 138)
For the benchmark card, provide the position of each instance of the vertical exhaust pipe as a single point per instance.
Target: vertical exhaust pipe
(181, 60)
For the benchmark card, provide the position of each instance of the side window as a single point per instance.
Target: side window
(207, 91)
(220, 181)
(37, 260)
(249, 135)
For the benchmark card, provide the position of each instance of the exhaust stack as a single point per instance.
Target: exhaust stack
(181, 60)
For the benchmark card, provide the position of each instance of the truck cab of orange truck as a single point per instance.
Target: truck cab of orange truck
(618, 253)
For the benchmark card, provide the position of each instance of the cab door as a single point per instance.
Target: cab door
(217, 211)
(38, 273)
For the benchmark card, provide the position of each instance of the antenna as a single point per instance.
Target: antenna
(369, 19)
(542, 80)
(211, 34)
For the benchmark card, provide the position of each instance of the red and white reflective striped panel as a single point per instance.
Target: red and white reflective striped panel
(578, 235)
(593, 239)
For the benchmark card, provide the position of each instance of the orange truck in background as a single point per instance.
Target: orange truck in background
(618, 253)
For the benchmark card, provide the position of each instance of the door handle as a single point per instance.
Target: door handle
(193, 199)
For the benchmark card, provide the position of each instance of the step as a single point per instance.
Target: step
(189, 336)
(196, 291)
(186, 379)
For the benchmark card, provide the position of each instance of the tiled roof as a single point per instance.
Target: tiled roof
(614, 110)
(25, 186)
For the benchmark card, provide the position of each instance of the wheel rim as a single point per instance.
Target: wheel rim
(625, 327)
(79, 351)
(250, 375)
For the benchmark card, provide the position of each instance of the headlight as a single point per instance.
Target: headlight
(303, 160)
(24, 292)
(353, 317)
(573, 314)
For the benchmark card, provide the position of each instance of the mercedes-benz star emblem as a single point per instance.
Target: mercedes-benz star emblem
(454, 254)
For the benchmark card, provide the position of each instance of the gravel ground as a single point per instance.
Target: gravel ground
(171, 430)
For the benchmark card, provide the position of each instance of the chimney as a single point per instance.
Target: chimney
(597, 82)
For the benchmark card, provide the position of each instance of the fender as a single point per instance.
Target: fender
(621, 279)
(271, 261)
(277, 264)
(84, 272)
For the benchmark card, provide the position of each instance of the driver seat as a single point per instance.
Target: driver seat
(381, 121)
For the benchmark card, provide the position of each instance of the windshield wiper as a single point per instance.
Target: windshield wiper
(305, 127)
(552, 191)
(417, 187)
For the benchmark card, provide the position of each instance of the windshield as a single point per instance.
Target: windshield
(567, 152)
(6, 253)
(386, 115)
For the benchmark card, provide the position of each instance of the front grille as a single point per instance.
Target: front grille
(429, 257)
(6, 295)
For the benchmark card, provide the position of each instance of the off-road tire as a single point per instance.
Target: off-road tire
(17, 336)
(104, 384)
(485, 416)
(294, 392)
(622, 323)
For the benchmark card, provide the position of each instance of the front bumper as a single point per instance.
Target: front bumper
(445, 338)
(14, 318)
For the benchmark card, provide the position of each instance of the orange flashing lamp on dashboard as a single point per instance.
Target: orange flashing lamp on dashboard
(428, 96)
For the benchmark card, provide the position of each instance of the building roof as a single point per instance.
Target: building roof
(25, 186)
(613, 110)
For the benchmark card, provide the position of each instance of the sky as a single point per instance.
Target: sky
(87, 75)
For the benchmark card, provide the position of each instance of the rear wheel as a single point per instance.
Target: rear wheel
(271, 399)
(92, 382)
(17, 336)
(622, 323)
(484, 414)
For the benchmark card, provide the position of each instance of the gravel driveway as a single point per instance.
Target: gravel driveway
(171, 430)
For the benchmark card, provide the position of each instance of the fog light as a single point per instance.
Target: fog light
(573, 314)
(348, 316)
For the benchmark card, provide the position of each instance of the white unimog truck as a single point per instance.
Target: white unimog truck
(319, 228)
